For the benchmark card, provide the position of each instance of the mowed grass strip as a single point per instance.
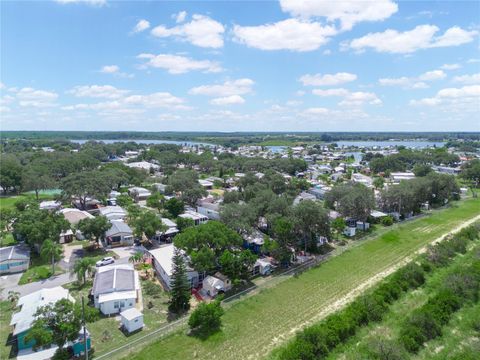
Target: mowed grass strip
(254, 326)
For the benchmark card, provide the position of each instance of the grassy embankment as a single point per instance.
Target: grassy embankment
(256, 325)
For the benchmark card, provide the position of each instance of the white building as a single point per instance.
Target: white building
(163, 265)
(116, 288)
(113, 212)
(23, 320)
(195, 216)
(131, 320)
(143, 165)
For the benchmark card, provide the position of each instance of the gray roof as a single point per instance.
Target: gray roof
(118, 226)
(114, 278)
(16, 252)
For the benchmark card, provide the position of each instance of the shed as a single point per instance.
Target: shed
(131, 320)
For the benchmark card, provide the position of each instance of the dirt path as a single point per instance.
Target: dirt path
(343, 301)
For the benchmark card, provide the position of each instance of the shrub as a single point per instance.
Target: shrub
(387, 221)
(206, 319)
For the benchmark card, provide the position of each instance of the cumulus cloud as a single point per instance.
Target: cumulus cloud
(228, 88)
(316, 111)
(30, 97)
(419, 82)
(466, 94)
(228, 100)
(142, 25)
(110, 69)
(450, 66)
(158, 99)
(327, 79)
(421, 37)
(176, 64)
(357, 98)
(347, 12)
(468, 79)
(180, 16)
(97, 91)
(291, 34)
(201, 31)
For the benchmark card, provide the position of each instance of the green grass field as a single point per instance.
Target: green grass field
(355, 348)
(256, 325)
(7, 202)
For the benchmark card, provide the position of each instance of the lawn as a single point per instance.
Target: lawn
(256, 325)
(7, 202)
(105, 332)
(5, 329)
(39, 270)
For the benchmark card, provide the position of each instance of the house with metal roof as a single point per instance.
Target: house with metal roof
(163, 264)
(120, 234)
(14, 259)
(22, 320)
(116, 288)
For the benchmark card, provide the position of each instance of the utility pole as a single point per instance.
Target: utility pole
(84, 329)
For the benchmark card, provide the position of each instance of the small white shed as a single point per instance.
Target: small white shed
(132, 320)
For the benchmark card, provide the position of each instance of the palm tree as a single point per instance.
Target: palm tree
(137, 257)
(51, 250)
(146, 268)
(84, 267)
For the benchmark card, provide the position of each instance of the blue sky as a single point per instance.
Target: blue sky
(287, 65)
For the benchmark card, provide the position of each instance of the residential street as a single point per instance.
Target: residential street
(10, 282)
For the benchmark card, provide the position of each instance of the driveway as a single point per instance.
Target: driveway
(26, 289)
(9, 281)
(126, 251)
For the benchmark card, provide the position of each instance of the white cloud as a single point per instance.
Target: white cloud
(29, 97)
(421, 37)
(330, 92)
(418, 82)
(155, 100)
(347, 12)
(357, 98)
(228, 100)
(432, 75)
(450, 66)
(180, 17)
(142, 25)
(327, 79)
(290, 34)
(468, 79)
(176, 64)
(97, 91)
(201, 31)
(228, 88)
(453, 96)
(316, 111)
(109, 69)
(89, 2)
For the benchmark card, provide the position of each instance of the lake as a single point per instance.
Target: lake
(383, 144)
(146, 142)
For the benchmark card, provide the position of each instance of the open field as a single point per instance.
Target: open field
(7, 202)
(254, 326)
(389, 327)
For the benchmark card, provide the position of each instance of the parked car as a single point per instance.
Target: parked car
(105, 261)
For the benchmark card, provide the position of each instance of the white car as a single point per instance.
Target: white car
(105, 261)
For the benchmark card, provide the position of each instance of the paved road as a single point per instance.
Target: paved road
(10, 282)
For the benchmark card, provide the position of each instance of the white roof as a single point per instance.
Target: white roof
(117, 295)
(164, 255)
(30, 303)
(214, 282)
(205, 182)
(193, 215)
(131, 314)
(168, 222)
(49, 204)
(112, 210)
(142, 165)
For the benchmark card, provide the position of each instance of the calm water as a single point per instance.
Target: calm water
(147, 142)
(384, 144)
